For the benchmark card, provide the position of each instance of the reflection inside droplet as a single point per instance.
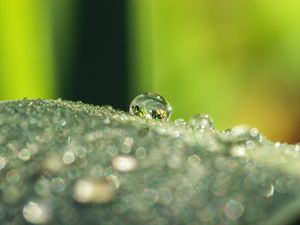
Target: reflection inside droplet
(151, 106)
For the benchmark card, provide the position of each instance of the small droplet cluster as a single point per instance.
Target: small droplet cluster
(72, 164)
(201, 122)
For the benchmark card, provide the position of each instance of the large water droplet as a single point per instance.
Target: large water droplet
(151, 106)
(201, 121)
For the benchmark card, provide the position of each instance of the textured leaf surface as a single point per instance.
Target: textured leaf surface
(75, 164)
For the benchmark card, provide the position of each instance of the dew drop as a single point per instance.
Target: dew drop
(238, 151)
(52, 163)
(89, 191)
(24, 155)
(36, 213)
(124, 163)
(68, 157)
(244, 133)
(57, 184)
(140, 153)
(179, 122)
(201, 121)
(250, 144)
(41, 187)
(149, 197)
(277, 144)
(12, 176)
(194, 160)
(106, 120)
(62, 122)
(151, 106)
(254, 132)
(282, 185)
(80, 152)
(233, 209)
(128, 143)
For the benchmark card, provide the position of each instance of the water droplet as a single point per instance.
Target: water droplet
(149, 197)
(94, 135)
(254, 132)
(277, 144)
(250, 145)
(140, 153)
(57, 184)
(12, 176)
(128, 143)
(175, 161)
(179, 122)
(88, 191)
(233, 209)
(41, 187)
(282, 185)
(24, 155)
(80, 152)
(112, 150)
(62, 122)
(151, 106)
(68, 157)
(106, 120)
(244, 133)
(238, 151)
(36, 213)
(52, 163)
(201, 121)
(194, 160)
(124, 163)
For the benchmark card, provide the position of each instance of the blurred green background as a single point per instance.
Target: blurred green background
(238, 61)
